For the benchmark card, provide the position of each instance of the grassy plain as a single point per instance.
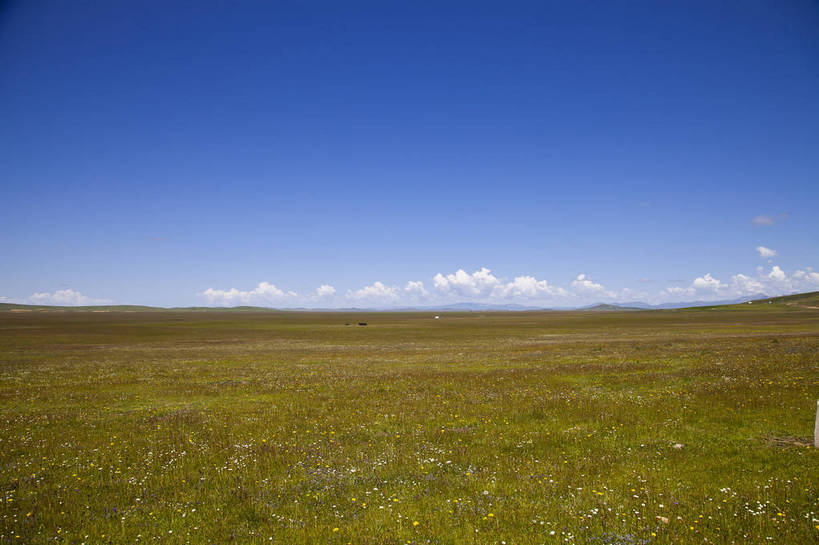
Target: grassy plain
(688, 426)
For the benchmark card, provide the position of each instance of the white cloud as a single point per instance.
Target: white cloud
(777, 274)
(415, 288)
(67, 297)
(765, 252)
(628, 292)
(676, 290)
(263, 294)
(527, 286)
(584, 285)
(746, 285)
(478, 284)
(763, 220)
(807, 276)
(376, 292)
(706, 283)
(774, 282)
(482, 284)
(701, 286)
(325, 290)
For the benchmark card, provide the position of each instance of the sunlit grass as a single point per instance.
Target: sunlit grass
(648, 427)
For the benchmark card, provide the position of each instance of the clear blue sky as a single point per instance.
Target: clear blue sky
(152, 151)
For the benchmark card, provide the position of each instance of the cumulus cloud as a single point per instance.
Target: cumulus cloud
(703, 286)
(706, 283)
(777, 274)
(66, 297)
(478, 284)
(709, 287)
(582, 282)
(677, 290)
(747, 285)
(583, 285)
(263, 294)
(325, 290)
(482, 284)
(763, 220)
(807, 278)
(765, 252)
(774, 282)
(375, 292)
(415, 289)
(527, 286)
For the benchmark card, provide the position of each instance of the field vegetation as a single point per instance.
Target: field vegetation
(147, 426)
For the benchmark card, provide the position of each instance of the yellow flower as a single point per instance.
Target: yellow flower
(335, 529)
(415, 523)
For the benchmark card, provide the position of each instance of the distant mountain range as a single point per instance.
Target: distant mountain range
(794, 299)
(462, 307)
(596, 307)
(688, 304)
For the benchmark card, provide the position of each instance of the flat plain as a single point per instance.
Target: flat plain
(683, 426)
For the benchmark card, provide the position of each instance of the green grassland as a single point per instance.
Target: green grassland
(173, 426)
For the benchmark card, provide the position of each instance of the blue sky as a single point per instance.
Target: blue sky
(346, 153)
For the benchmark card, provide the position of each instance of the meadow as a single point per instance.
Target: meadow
(682, 426)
